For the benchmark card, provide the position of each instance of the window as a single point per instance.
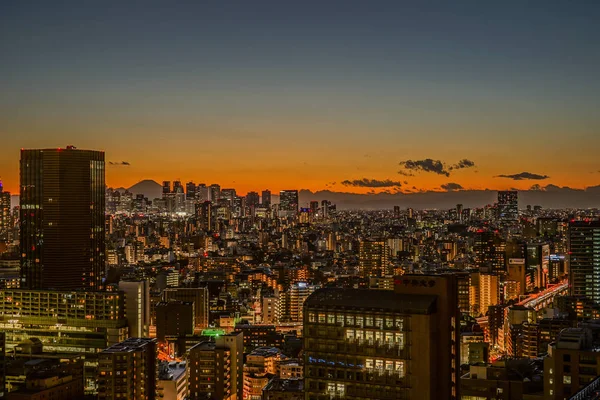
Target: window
(340, 319)
(331, 319)
(321, 318)
(389, 322)
(369, 364)
(312, 317)
(389, 366)
(350, 320)
(379, 322)
(368, 321)
(567, 379)
(350, 334)
(566, 357)
(400, 368)
(379, 364)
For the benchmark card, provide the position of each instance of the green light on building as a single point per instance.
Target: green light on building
(213, 332)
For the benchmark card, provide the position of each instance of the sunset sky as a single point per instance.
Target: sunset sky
(280, 95)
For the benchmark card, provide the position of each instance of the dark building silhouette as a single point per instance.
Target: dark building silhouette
(62, 219)
(584, 253)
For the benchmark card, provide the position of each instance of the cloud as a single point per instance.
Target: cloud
(372, 183)
(426, 165)
(125, 163)
(464, 163)
(431, 165)
(536, 187)
(451, 187)
(524, 176)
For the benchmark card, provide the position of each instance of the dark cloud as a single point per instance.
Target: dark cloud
(536, 187)
(451, 187)
(426, 165)
(431, 165)
(524, 176)
(372, 183)
(464, 163)
(126, 163)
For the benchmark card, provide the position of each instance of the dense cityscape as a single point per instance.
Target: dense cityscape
(299, 200)
(204, 293)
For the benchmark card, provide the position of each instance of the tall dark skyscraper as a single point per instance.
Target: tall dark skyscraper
(266, 198)
(288, 202)
(252, 199)
(62, 218)
(584, 259)
(190, 191)
(166, 187)
(508, 205)
(5, 217)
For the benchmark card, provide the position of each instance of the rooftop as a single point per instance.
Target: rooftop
(385, 300)
(130, 345)
(285, 385)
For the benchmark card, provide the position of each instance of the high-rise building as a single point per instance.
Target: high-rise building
(166, 187)
(127, 370)
(215, 192)
(62, 237)
(288, 203)
(508, 206)
(584, 259)
(266, 198)
(252, 199)
(199, 296)
(373, 258)
(174, 318)
(216, 368)
(228, 194)
(489, 251)
(137, 306)
(190, 191)
(384, 344)
(5, 217)
(202, 193)
(3, 392)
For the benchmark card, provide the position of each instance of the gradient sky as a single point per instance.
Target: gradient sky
(304, 94)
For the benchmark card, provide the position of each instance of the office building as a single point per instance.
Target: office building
(62, 238)
(288, 203)
(190, 191)
(127, 370)
(137, 306)
(3, 392)
(490, 251)
(174, 318)
(198, 296)
(215, 192)
(252, 199)
(584, 259)
(266, 198)
(77, 322)
(166, 188)
(381, 344)
(5, 214)
(216, 368)
(508, 206)
(373, 258)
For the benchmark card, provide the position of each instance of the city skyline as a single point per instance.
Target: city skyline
(342, 99)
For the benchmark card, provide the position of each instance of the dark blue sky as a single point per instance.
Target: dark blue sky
(484, 76)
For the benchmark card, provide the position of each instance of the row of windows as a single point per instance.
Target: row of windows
(389, 322)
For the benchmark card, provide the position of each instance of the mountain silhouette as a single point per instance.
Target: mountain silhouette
(149, 188)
